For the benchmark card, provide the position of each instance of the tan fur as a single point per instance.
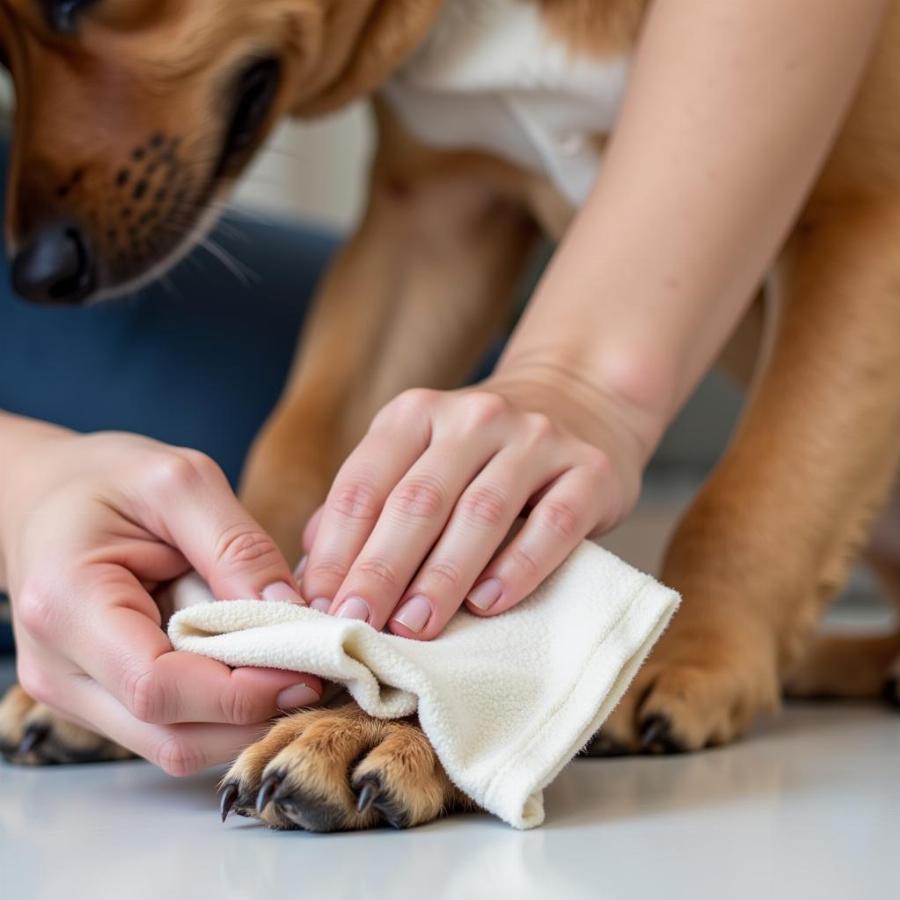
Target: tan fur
(14, 710)
(322, 759)
(774, 531)
(845, 667)
(61, 741)
(856, 666)
(595, 28)
(425, 282)
(429, 214)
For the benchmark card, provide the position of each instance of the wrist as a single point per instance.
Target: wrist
(19, 439)
(616, 401)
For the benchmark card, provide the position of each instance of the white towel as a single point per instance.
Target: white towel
(506, 702)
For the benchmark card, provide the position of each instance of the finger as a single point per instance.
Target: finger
(309, 537)
(193, 508)
(480, 522)
(45, 678)
(178, 750)
(117, 641)
(312, 529)
(356, 499)
(557, 524)
(414, 515)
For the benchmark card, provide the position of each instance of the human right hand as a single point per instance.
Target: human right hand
(90, 526)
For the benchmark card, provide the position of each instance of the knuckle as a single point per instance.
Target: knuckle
(445, 574)
(200, 463)
(562, 517)
(326, 570)
(421, 497)
(144, 697)
(483, 408)
(539, 427)
(381, 572)
(522, 560)
(597, 466)
(34, 681)
(175, 473)
(410, 406)
(355, 499)
(238, 708)
(244, 545)
(38, 612)
(485, 506)
(176, 757)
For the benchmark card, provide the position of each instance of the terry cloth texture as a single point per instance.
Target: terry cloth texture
(506, 702)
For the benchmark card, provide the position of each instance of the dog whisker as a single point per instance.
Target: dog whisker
(170, 287)
(230, 262)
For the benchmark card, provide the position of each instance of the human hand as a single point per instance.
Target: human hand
(90, 526)
(414, 520)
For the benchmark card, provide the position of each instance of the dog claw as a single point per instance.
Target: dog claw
(656, 735)
(227, 797)
(367, 796)
(35, 735)
(602, 746)
(267, 789)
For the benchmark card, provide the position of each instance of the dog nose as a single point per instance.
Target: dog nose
(54, 266)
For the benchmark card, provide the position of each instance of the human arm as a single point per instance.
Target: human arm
(730, 113)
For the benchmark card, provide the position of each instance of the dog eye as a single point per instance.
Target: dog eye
(62, 15)
(253, 94)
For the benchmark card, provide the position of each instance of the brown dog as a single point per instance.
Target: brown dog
(192, 89)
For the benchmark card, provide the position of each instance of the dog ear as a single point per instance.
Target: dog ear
(62, 15)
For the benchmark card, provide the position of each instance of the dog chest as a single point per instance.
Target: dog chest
(492, 77)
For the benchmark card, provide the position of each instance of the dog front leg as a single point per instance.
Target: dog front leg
(412, 301)
(772, 535)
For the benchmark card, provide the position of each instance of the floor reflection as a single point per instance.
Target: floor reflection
(813, 796)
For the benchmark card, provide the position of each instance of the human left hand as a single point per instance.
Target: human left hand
(416, 520)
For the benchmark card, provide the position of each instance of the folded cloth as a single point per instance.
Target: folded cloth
(506, 702)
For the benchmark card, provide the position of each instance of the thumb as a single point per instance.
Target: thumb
(230, 550)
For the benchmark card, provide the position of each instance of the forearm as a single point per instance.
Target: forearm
(730, 114)
(17, 434)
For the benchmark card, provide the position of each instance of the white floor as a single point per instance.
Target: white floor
(807, 807)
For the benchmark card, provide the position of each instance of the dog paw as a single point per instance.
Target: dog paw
(32, 735)
(339, 770)
(699, 689)
(851, 667)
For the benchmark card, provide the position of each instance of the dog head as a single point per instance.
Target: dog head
(135, 117)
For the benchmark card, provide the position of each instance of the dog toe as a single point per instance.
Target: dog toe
(339, 770)
(681, 704)
(656, 735)
(32, 735)
(602, 746)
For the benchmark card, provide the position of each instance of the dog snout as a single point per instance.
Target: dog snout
(54, 265)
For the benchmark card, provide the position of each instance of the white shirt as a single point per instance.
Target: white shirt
(491, 76)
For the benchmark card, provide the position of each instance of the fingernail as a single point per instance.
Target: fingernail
(297, 696)
(354, 608)
(322, 604)
(281, 592)
(486, 594)
(415, 613)
(301, 566)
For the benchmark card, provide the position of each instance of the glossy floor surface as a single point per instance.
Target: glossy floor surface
(809, 806)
